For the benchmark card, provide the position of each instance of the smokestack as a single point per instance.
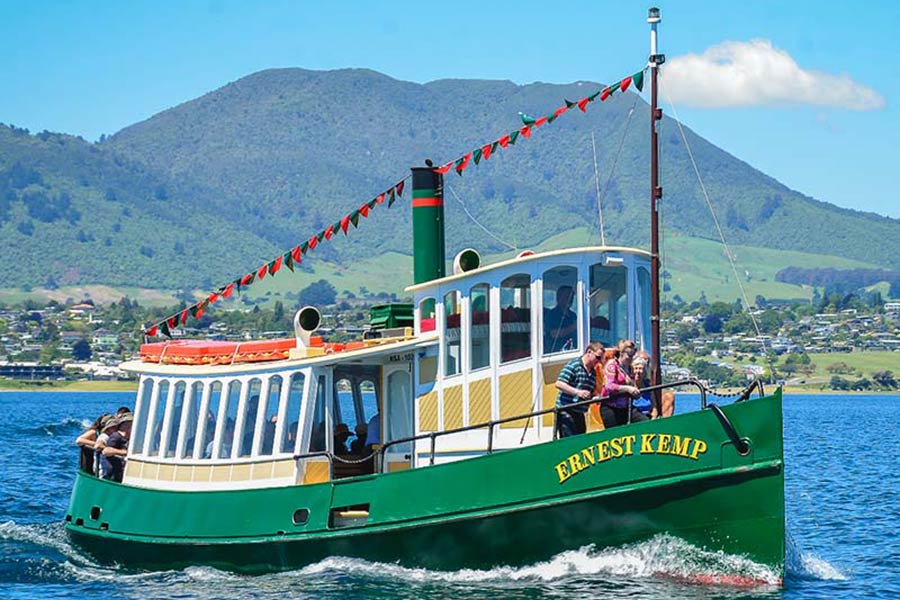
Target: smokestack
(428, 224)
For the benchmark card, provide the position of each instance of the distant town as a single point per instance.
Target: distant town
(839, 343)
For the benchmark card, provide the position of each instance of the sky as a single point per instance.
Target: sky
(804, 91)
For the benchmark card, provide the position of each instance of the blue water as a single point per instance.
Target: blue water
(842, 514)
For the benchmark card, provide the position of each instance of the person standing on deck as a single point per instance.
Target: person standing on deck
(576, 383)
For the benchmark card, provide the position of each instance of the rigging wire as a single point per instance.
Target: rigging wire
(597, 184)
(474, 220)
(612, 168)
(731, 259)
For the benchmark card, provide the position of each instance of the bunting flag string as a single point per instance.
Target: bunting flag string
(294, 256)
(288, 259)
(484, 152)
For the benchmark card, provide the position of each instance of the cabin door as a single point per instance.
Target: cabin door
(398, 415)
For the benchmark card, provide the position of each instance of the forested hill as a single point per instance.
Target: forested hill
(208, 189)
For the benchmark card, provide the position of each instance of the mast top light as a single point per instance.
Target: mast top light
(653, 16)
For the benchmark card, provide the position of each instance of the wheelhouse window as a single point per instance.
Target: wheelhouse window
(229, 418)
(207, 431)
(642, 310)
(176, 407)
(247, 424)
(560, 310)
(452, 333)
(479, 327)
(140, 416)
(318, 441)
(155, 421)
(608, 304)
(189, 418)
(515, 318)
(270, 414)
(426, 315)
(291, 415)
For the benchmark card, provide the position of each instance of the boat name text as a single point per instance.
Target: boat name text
(626, 445)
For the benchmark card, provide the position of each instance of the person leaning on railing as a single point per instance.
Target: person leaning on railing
(575, 383)
(620, 389)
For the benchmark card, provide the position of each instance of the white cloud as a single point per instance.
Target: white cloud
(755, 73)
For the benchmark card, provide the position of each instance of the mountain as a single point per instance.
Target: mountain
(209, 189)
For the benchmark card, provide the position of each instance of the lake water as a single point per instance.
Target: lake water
(843, 515)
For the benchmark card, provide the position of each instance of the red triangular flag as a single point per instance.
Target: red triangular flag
(526, 131)
(625, 83)
(399, 188)
(442, 170)
(364, 210)
(463, 163)
(261, 272)
(226, 293)
(297, 255)
(153, 331)
(329, 232)
(313, 241)
(247, 279)
(560, 110)
(380, 198)
(275, 265)
(605, 94)
(172, 322)
(184, 316)
(199, 312)
(345, 223)
(504, 141)
(582, 104)
(540, 121)
(486, 151)
(213, 297)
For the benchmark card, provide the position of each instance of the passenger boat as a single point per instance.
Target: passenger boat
(233, 461)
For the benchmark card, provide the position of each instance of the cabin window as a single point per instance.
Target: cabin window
(452, 333)
(291, 416)
(189, 420)
(248, 423)
(399, 407)
(515, 318)
(176, 406)
(642, 310)
(343, 401)
(479, 327)
(155, 422)
(318, 441)
(270, 415)
(207, 432)
(608, 307)
(140, 416)
(426, 315)
(560, 310)
(229, 414)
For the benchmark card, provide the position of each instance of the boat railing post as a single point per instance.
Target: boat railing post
(555, 419)
(433, 437)
(490, 447)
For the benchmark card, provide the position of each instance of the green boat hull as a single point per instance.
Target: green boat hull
(513, 507)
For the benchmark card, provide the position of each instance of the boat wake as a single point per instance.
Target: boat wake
(67, 426)
(802, 565)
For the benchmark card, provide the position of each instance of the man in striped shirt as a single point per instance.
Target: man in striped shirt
(576, 382)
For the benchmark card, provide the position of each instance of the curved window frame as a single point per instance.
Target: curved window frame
(453, 314)
(512, 341)
(573, 342)
(483, 353)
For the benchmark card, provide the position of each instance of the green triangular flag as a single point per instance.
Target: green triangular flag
(164, 328)
(570, 104)
(289, 260)
(637, 80)
(477, 155)
(593, 96)
(393, 197)
(354, 218)
(513, 136)
(304, 247)
(321, 235)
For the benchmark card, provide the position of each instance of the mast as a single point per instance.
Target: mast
(655, 61)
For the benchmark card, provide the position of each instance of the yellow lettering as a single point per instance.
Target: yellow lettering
(615, 447)
(680, 445)
(699, 448)
(575, 464)
(588, 454)
(562, 471)
(629, 440)
(646, 441)
(664, 440)
(603, 450)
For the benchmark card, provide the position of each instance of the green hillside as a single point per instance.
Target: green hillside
(207, 190)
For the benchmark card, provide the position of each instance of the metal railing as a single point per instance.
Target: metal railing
(378, 454)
